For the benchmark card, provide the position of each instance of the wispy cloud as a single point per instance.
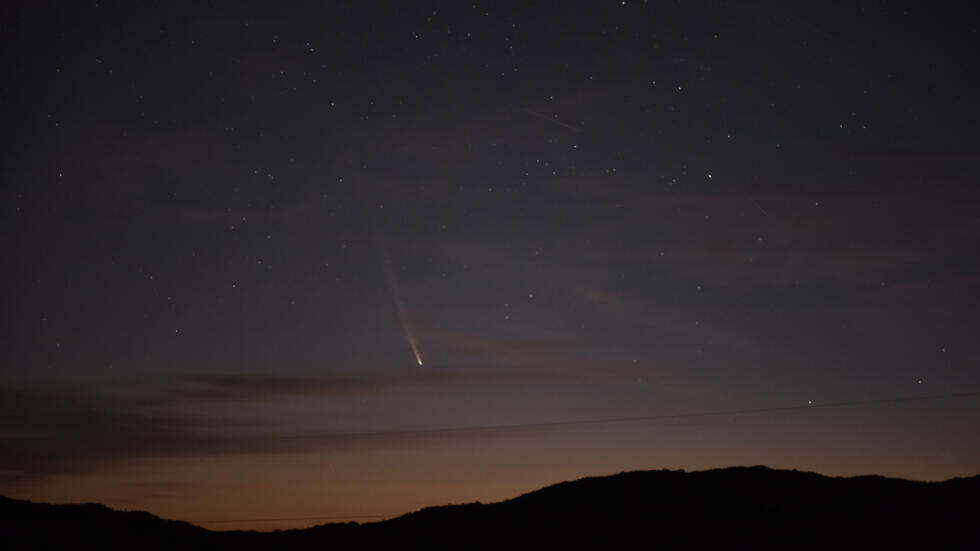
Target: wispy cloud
(47, 433)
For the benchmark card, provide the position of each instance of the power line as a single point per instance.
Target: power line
(345, 517)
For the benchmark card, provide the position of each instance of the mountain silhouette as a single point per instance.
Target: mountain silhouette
(737, 507)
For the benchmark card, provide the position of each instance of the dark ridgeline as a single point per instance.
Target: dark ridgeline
(740, 507)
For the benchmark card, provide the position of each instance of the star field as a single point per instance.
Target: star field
(621, 235)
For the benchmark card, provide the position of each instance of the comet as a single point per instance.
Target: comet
(553, 120)
(396, 297)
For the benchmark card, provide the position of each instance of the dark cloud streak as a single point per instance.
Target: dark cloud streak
(45, 434)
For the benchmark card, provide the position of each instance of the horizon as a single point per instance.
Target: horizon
(226, 525)
(345, 260)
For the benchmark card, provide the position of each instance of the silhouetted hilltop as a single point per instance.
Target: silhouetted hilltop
(28, 525)
(740, 507)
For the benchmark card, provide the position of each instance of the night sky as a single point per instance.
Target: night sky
(353, 258)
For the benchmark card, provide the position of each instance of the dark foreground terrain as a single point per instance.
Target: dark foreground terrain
(747, 508)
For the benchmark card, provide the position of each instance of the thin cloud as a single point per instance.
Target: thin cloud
(46, 433)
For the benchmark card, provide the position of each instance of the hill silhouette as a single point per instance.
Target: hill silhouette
(737, 507)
